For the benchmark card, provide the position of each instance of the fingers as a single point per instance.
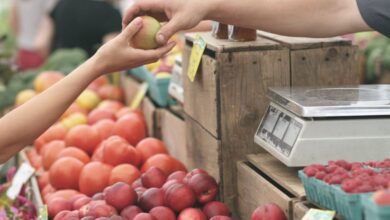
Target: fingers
(131, 29)
(153, 55)
(154, 8)
(169, 29)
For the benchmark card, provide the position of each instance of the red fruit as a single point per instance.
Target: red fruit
(320, 175)
(126, 173)
(151, 198)
(120, 195)
(75, 153)
(57, 205)
(382, 197)
(66, 194)
(84, 137)
(115, 217)
(268, 211)
(179, 196)
(178, 175)
(169, 183)
(162, 213)
(98, 196)
(165, 162)
(98, 154)
(130, 212)
(117, 151)
(144, 216)
(43, 180)
(105, 128)
(97, 115)
(310, 171)
(65, 173)
(215, 208)
(151, 146)
(364, 188)
(66, 215)
(55, 132)
(154, 177)
(131, 127)
(126, 110)
(140, 191)
(204, 186)
(331, 168)
(349, 185)
(99, 209)
(344, 164)
(137, 183)
(94, 178)
(80, 202)
(220, 217)
(50, 152)
(111, 92)
(193, 173)
(110, 105)
(191, 214)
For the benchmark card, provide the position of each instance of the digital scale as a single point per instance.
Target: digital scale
(303, 126)
(175, 88)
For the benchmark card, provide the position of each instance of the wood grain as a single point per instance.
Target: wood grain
(331, 66)
(244, 80)
(201, 97)
(299, 210)
(203, 149)
(149, 110)
(254, 191)
(130, 87)
(173, 134)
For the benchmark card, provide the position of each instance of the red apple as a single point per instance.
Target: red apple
(57, 205)
(169, 183)
(116, 217)
(144, 216)
(215, 208)
(137, 183)
(179, 196)
(140, 191)
(130, 212)
(162, 213)
(98, 196)
(80, 202)
(154, 177)
(191, 214)
(120, 195)
(65, 215)
(99, 209)
(151, 198)
(268, 211)
(193, 173)
(204, 186)
(220, 217)
(178, 175)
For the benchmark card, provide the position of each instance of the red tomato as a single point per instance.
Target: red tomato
(65, 173)
(94, 178)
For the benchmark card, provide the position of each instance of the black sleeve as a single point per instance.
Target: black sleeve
(112, 22)
(376, 13)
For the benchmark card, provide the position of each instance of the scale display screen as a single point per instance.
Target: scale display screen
(279, 130)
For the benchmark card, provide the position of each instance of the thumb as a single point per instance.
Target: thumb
(132, 28)
(167, 30)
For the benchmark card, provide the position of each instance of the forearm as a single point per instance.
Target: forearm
(310, 18)
(25, 123)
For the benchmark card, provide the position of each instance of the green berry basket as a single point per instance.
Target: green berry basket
(373, 211)
(158, 90)
(349, 205)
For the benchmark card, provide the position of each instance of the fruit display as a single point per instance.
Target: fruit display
(268, 211)
(342, 186)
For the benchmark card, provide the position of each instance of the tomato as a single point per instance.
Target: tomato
(117, 151)
(105, 128)
(64, 194)
(35, 159)
(110, 105)
(124, 173)
(126, 110)
(46, 191)
(149, 147)
(84, 137)
(51, 152)
(74, 108)
(65, 173)
(111, 92)
(75, 153)
(98, 153)
(55, 132)
(43, 180)
(99, 114)
(94, 178)
(165, 162)
(131, 127)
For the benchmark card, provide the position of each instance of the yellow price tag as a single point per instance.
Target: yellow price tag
(196, 57)
(318, 214)
(139, 96)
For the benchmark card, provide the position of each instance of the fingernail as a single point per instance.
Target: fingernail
(138, 21)
(161, 38)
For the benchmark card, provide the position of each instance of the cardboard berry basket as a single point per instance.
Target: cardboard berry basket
(373, 211)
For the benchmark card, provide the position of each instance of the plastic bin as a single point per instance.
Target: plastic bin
(372, 211)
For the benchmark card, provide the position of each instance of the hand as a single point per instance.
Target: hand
(180, 14)
(117, 54)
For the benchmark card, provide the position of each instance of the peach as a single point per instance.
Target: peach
(105, 128)
(151, 198)
(66, 214)
(220, 217)
(215, 208)
(146, 37)
(191, 214)
(46, 79)
(80, 202)
(88, 99)
(57, 205)
(24, 96)
(144, 216)
(178, 175)
(130, 212)
(100, 210)
(179, 196)
(268, 211)
(99, 114)
(162, 213)
(154, 177)
(111, 105)
(204, 186)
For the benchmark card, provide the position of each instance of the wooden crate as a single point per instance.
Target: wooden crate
(226, 101)
(264, 179)
(173, 134)
(130, 87)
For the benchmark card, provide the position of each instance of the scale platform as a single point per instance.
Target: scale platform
(303, 126)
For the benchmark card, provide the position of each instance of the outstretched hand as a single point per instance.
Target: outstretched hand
(117, 54)
(179, 14)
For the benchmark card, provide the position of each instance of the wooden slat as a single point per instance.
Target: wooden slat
(149, 111)
(244, 80)
(203, 149)
(218, 45)
(255, 191)
(173, 134)
(201, 99)
(299, 43)
(287, 177)
(324, 67)
(299, 210)
(130, 87)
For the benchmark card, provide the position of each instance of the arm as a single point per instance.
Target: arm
(25, 123)
(309, 18)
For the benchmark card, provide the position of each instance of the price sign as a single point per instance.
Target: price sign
(22, 175)
(196, 57)
(317, 214)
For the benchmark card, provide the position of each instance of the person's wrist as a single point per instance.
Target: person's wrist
(97, 67)
(212, 9)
